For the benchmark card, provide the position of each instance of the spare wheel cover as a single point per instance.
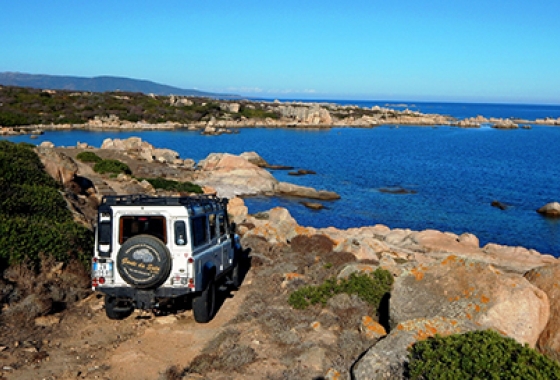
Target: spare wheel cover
(144, 261)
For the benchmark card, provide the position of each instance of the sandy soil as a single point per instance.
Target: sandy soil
(85, 344)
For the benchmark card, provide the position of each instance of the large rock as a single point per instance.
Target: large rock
(255, 158)
(547, 278)
(277, 226)
(136, 148)
(436, 241)
(237, 210)
(470, 290)
(289, 189)
(388, 358)
(550, 209)
(233, 175)
(59, 166)
(364, 248)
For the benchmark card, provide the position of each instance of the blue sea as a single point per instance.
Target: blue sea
(454, 174)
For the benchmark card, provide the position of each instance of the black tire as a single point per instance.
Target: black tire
(204, 305)
(238, 271)
(144, 262)
(117, 310)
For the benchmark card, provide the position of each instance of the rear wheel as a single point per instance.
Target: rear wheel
(117, 309)
(237, 273)
(204, 305)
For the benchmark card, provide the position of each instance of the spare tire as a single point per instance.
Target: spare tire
(144, 262)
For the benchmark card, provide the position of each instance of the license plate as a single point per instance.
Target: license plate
(102, 270)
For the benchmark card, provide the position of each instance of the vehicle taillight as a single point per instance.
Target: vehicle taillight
(94, 282)
(101, 280)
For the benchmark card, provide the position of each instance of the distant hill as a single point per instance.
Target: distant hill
(98, 84)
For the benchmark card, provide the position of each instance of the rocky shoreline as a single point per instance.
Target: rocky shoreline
(292, 115)
(444, 284)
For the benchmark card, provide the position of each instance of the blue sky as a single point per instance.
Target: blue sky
(452, 50)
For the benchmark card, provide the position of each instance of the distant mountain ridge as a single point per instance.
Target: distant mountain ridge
(98, 84)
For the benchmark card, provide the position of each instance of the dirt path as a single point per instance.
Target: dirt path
(85, 344)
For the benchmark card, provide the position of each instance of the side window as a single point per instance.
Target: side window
(212, 223)
(199, 230)
(180, 232)
(222, 225)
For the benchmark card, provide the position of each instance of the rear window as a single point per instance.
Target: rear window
(142, 225)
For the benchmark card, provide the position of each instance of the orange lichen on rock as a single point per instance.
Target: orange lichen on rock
(292, 276)
(371, 328)
(484, 299)
(449, 259)
(417, 273)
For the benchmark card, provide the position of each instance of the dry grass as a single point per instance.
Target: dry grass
(29, 293)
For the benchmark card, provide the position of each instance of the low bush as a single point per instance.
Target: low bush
(370, 288)
(19, 164)
(478, 355)
(171, 185)
(25, 238)
(39, 201)
(89, 157)
(111, 166)
(35, 217)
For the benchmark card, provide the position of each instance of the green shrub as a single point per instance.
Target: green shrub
(478, 355)
(88, 157)
(370, 288)
(19, 164)
(41, 201)
(111, 166)
(171, 185)
(24, 238)
(34, 215)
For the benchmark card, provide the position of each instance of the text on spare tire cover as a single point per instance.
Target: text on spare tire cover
(138, 260)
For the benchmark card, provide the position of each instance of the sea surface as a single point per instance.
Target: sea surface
(453, 174)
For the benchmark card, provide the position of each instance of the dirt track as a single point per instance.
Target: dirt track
(85, 344)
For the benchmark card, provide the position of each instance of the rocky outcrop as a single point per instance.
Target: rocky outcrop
(136, 148)
(548, 121)
(457, 288)
(550, 209)
(547, 278)
(472, 122)
(57, 164)
(504, 124)
(388, 358)
(234, 175)
(291, 190)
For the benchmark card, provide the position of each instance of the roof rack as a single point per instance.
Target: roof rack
(203, 200)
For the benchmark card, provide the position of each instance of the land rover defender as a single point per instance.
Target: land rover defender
(152, 250)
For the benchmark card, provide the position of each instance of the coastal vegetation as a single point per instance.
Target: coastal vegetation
(172, 185)
(35, 217)
(27, 106)
(370, 288)
(87, 156)
(479, 355)
(111, 166)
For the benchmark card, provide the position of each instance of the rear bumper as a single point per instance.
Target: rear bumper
(144, 299)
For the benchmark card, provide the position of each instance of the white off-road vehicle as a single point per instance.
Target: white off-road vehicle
(150, 251)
